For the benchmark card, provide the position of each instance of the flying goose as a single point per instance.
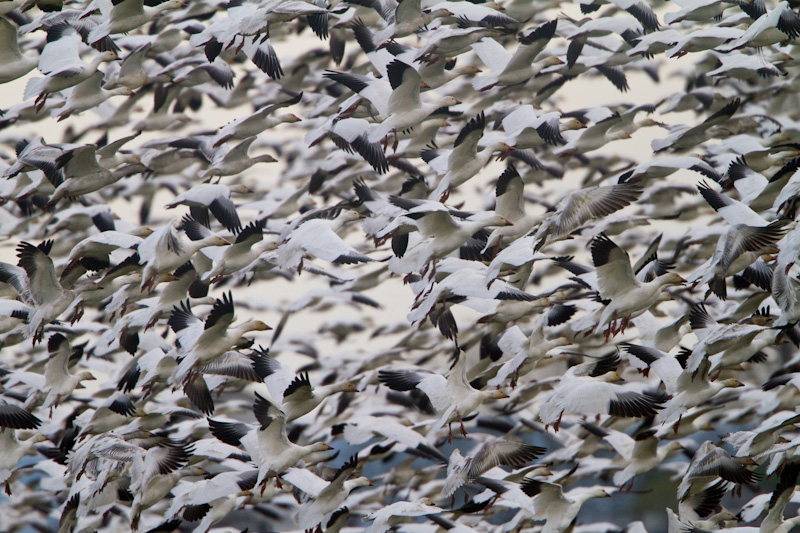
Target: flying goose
(452, 396)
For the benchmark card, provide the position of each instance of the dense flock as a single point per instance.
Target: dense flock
(356, 265)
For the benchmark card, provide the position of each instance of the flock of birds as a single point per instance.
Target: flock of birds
(219, 360)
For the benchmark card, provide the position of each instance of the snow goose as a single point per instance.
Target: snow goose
(725, 344)
(15, 417)
(83, 174)
(398, 101)
(685, 137)
(93, 252)
(587, 389)
(441, 233)
(13, 63)
(462, 470)
(163, 251)
(201, 342)
(260, 120)
(511, 69)
(592, 138)
(362, 428)
(557, 508)
(267, 444)
(248, 247)
(215, 198)
(227, 161)
(639, 10)
(526, 129)
(104, 457)
(323, 497)
(59, 383)
(710, 463)
(126, 15)
(463, 161)
(740, 246)
(616, 282)
(464, 281)
(12, 449)
(434, 74)
(510, 204)
(580, 207)
(747, 67)
(294, 392)
(774, 26)
(88, 94)
(786, 293)
(640, 454)
(60, 61)
(214, 492)
(527, 350)
(319, 238)
(351, 135)
(761, 438)
(392, 515)
(688, 388)
(36, 282)
(403, 18)
(695, 10)
(453, 396)
(447, 41)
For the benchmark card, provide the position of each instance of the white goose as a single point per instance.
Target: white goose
(319, 238)
(462, 470)
(201, 342)
(13, 64)
(397, 101)
(60, 61)
(125, 16)
(267, 444)
(628, 296)
(519, 67)
(163, 251)
(294, 392)
(323, 497)
(453, 396)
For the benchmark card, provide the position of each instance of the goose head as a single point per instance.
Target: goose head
(448, 101)
(239, 188)
(670, 279)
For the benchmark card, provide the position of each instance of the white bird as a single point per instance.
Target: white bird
(13, 64)
(319, 237)
(582, 206)
(708, 464)
(640, 453)
(201, 342)
(391, 515)
(163, 251)
(462, 470)
(323, 497)
(293, 392)
(453, 396)
(616, 282)
(267, 444)
(587, 389)
(464, 161)
(398, 101)
(61, 63)
(36, 282)
(688, 388)
(215, 198)
(559, 509)
(125, 16)
(519, 67)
